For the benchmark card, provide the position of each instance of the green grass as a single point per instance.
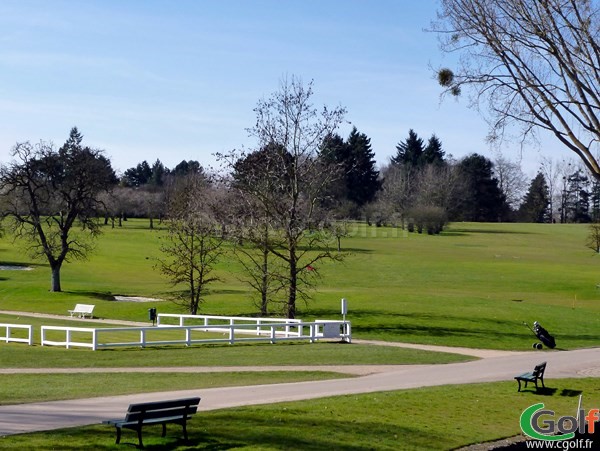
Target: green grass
(437, 418)
(26, 388)
(16, 355)
(472, 286)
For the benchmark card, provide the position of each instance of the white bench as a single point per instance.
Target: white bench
(82, 309)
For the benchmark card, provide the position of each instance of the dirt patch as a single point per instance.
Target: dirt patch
(15, 268)
(136, 299)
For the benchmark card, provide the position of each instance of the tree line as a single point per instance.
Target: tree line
(280, 208)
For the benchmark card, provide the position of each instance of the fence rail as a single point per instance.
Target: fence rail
(235, 333)
(9, 338)
(261, 326)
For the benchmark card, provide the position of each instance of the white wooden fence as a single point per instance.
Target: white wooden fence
(261, 326)
(234, 333)
(8, 337)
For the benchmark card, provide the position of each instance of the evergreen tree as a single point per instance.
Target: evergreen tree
(362, 180)
(138, 176)
(336, 154)
(158, 173)
(187, 167)
(410, 152)
(535, 205)
(577, 198)
(483, 200)
(595, 201)
(358, 180)
(433, 153)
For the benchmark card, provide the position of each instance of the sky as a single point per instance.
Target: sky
(178, 79)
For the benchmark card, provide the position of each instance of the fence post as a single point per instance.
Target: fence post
(68, 338)
(231, 334)
(273, 335)
(95, 340)
(143, 338)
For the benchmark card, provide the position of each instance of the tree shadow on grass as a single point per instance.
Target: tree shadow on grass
(465, 232)
(101, 296)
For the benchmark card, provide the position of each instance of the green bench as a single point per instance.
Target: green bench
(534, 376)
(177, 411)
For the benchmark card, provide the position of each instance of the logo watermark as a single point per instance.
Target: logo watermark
(542, 424)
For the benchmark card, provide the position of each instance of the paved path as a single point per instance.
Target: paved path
(498, 367)
(493, 366)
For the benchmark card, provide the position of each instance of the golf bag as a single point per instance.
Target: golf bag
(543, 335)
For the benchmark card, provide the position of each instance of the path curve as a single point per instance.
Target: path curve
(33, 417)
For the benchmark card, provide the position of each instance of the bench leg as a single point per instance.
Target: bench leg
(184, 425)
(519, 382)
(164, 432)
(141, 444)
(118, 436)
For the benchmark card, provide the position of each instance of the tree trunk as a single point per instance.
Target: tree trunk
(55, 278)
(151, 223)
(264, 311)
(291, 305)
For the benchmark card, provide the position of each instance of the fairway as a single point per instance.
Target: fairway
(474, 285)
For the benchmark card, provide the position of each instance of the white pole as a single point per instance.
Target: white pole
(344, 311)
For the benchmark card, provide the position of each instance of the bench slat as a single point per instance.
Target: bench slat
(163, 404)
(153, 414)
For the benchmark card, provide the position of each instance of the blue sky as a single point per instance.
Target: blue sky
(179, 79)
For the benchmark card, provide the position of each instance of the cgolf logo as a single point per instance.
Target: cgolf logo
(539, 423)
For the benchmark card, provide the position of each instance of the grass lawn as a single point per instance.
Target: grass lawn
(17, 355)
(26, 388)
(443, 418)
(472, 286)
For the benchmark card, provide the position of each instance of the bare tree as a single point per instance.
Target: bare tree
(287, 181)
(556, 174)
(53, 199)
(194, 243)
(529, 62)
(396, 195)
(511, 180)
(593, 238)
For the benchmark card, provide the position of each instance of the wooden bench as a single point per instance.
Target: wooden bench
(177, 411)
(81, 310)
(534, 376)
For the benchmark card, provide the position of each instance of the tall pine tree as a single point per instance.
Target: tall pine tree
(433, 153)
(410, 152)
(535, 205)
(359, 179)
(483, 200)
(362, 179)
